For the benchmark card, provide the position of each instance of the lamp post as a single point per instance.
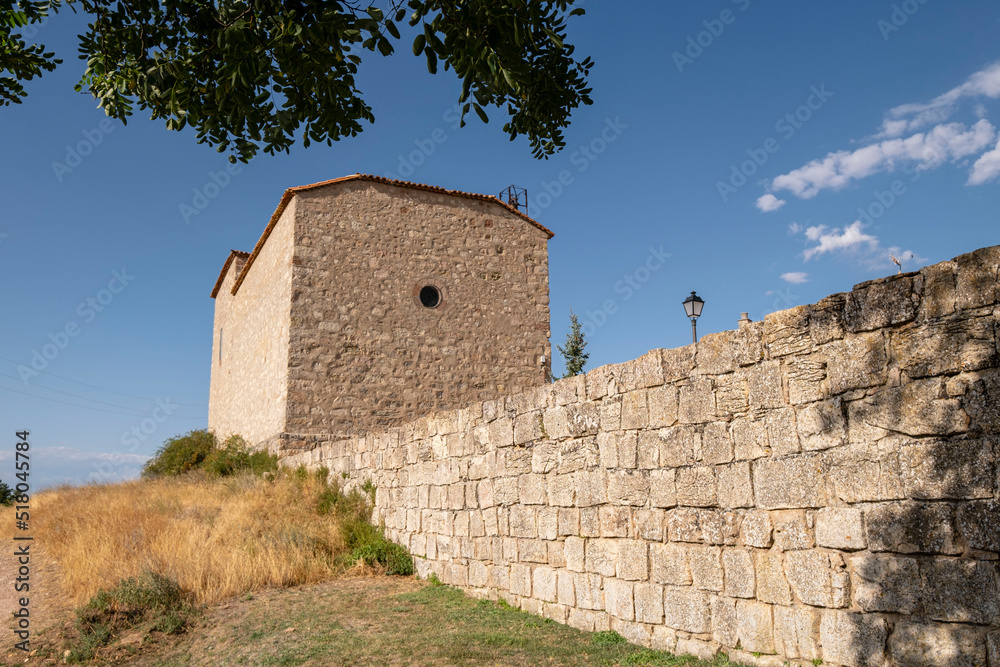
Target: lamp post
(692, 306)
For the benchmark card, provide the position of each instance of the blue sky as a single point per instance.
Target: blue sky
(777, 152)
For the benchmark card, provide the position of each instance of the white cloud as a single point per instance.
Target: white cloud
(794, 228)
(927, 150)
(850, 238)
(795, 277)
(769, 202)
(909, 117)
(987, 167)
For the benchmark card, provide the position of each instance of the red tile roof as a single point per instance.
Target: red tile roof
(233, 254)
(290, 192)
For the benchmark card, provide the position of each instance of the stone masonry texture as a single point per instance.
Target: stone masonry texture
(819, 486)
(326, 335)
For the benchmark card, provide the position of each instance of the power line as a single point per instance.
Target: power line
(83, 398)
(87, 407)
(92, 386)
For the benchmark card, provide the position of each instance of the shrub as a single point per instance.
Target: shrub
(6, 495)
(180, 454)
(199, 450)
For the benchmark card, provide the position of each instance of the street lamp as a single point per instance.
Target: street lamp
(692, 306)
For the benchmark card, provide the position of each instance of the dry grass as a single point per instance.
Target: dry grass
(217, 539)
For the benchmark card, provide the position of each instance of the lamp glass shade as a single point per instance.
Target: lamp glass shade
(693, 305)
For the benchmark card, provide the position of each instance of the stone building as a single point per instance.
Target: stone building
(368, 302)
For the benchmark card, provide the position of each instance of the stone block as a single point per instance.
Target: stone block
(531, 489)
(732, 395)
(791, 531)
(714, 353)
(628, 487)
(591, 488)
(555, 422)
(748, 344)
(677, 446)
(634, 633)
(532, 551)
(787, 332)
(790, 483)
(818, 578)
(705, 564)
(663, 405)
(865, 473)
(976, 282)
(840, 528)
(589, 589)
(601, 382)
(544, 584)
(588, 621)
(703, 650)
(697, 402)
(601, 557)
(626, 445)
(522, 522)
(937, 470)
(662, 488)
(501, 432)
(772, 587)
(749, 438)
(939, 296)
(886, 583)
(911, 528)
(696, 487)
(856, 362)
(527, 427)
(583, 419)
(562, 490)
(755, 626)
(936, 645)
(565, 588)
(677, 362)
(635, 412)
(917, 408)
(647, 449)
(646, 371)
(665, 639)
(547, 521)
(806, 377)
(740, 580)
(648, 603)
(724, 623)
(880, 303)
(796, 633)
(618, 598)
(826, 319)
(610, 413)
(821, 425)
(757, 529)
(669, 564)
(949, 346)
(651, 524)
(979, 524)
(590, 522)
(633, 560)
(686, 609)
(764, 386)
(993, 649)
(960, 591)
(569, 521)
(615, 521)
(782, 437)
(735, 486)
(716, 445)
(692, 525)
(853, 639)
(607, 447)
(520, 579)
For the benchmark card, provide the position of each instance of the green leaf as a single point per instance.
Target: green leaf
(418, 44)
(482, 114)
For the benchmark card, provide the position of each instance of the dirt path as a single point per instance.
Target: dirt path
(47, 603)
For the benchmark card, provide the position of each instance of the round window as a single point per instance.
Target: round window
(430, 296)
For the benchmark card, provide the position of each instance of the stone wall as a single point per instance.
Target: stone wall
(365, 354)
(249, 386)
(819, 486)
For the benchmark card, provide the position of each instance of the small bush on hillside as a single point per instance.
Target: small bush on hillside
(152, 600)
(6, 495)
(199, 450)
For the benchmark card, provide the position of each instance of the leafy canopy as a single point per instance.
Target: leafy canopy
(252, 73)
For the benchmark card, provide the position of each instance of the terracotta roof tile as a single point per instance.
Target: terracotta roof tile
(290, 192)
(233, 254)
